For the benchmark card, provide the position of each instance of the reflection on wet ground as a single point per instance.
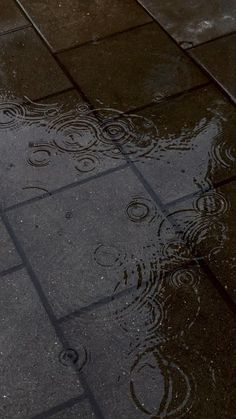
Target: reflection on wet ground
(125, 276)
(117, 207)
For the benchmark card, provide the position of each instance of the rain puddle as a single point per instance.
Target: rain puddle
(120, 220)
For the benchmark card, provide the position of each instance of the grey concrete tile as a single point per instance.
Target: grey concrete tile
(68, 23)
(206, 222)
(219, 58)
(193, 22)
(8, 253)
(27, 68)
(131, 69)
(83, 243)
(46, 146)
(32, 378)
(82, 410)
(10, 18)
(187, 143)
(159, 351)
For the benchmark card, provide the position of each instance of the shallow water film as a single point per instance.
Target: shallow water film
(117, 210)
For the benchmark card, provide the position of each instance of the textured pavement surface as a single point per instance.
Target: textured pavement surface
(117, 209)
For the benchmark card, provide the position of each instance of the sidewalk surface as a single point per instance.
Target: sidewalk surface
(117, 209)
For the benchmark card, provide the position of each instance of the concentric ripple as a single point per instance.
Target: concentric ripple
(170, 388)
(141, 209)
(183, 278)
(12, 114)
(136, 134)
(75, 133)
(120, 130)
(71, 356)
(87, 162)
(211, 204)
(39, 158)
(175, 252)
(223, 154)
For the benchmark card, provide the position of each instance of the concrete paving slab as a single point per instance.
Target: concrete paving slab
(27, 68)
(84, 243)
(218, 58)
(193, 22)
(132, 69)
(65, 24)
(32, 377)
(11, 17)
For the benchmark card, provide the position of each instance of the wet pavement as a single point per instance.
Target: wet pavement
(117, 200)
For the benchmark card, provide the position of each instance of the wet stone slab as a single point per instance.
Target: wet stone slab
(184, 145)
(68, 23)
(219, 59)
(32, 378)
(158, 351)
(27, 68)
(132, 69)
(87, 243)
(207, 225)
(8, 254)
(46, 146)
(11, 18)
(193, 22)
